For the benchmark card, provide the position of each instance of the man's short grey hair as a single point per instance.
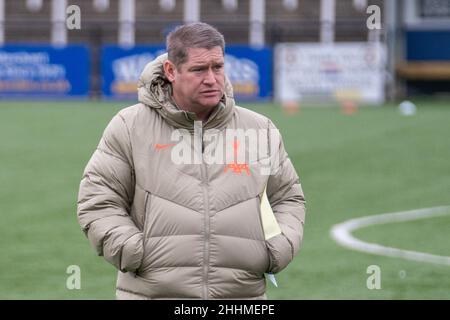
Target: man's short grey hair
(192, 35)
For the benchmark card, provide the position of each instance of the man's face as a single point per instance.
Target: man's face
(199, 83)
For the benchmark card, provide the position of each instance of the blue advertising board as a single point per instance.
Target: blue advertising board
(44, 71)
(121, 68)
(249, 70)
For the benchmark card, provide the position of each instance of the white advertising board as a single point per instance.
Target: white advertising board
(326, 72)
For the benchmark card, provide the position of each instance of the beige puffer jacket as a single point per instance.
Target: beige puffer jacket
(188, 231)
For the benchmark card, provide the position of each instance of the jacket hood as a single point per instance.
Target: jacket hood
(155, 91)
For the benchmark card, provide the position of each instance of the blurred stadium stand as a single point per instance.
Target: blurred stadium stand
(422, 27)
(152, 22)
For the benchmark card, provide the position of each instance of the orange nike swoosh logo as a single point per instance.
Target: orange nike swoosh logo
(163, 146)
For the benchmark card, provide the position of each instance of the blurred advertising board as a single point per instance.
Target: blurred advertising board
(330, 72)
(249, 70)
(44, 71)
(121, 68)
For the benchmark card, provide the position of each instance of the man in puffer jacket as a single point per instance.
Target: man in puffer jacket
(188, 195)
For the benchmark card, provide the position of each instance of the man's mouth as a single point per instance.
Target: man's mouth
(210, 93)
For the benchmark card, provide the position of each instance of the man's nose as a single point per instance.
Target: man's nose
(209, 77)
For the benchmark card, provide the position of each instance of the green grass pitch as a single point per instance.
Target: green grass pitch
(371, 162)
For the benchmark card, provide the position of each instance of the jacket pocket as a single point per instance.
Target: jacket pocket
(259, 219)
(262, 235)
(147, 204)
(145, 229)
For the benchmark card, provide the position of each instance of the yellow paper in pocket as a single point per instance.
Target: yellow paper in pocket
(269, 222)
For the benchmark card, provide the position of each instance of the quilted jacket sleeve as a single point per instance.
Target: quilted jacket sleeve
(105, 196)
(288, 204)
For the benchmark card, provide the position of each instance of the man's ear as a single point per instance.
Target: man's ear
(169, 70)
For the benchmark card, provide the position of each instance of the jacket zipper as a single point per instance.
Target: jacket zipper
(205, 183)
(207, 232)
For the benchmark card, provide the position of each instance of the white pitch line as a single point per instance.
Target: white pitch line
(341, 233)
